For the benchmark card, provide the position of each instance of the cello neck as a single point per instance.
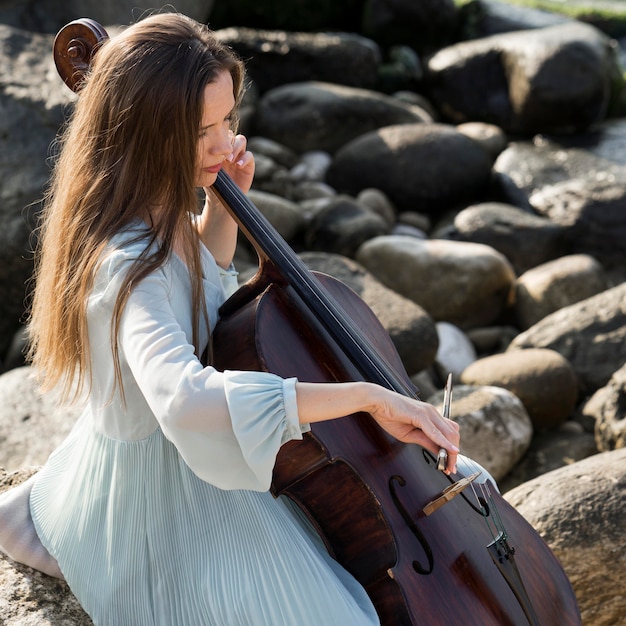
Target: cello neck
(273, 250)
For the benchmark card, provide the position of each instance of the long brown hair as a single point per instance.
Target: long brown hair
(130, 144)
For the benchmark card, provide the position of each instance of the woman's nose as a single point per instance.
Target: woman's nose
(225, 143)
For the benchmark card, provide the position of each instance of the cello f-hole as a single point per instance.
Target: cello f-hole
(417, 566)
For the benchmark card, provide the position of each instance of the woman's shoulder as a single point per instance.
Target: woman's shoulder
(124, 249)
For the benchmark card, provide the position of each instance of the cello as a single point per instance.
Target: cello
(427, 547)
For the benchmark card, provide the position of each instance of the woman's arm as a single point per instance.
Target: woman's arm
(406, 419)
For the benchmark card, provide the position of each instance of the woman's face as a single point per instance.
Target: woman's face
(215, 136)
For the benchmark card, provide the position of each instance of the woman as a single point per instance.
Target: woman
(156, 509)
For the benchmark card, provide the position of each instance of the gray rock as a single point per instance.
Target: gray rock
(278, 57)
(272, 149)
(312, 166)
(411, 329)
(317, 115)
(579, 510)
(32, 425)
(283, 214)
(492, 138)
(542, 379)
(590, 334)
(342, 226)
(552, 79)
(556, 284)
(492, 339)
(32, 103)
(375, 200)
(49, 16)
(421, 167)
(423, 25)
(577, 182)
(489, 17)
(524, 238)
(550, 450)
(455, 352)
(606, 409)
(466, 284)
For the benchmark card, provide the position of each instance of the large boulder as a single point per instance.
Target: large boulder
(542, 379)
(33, 100)
(606, 410)
(556, 284)
(317, 115)
(277, 57)
(32, 424)
(553, 79)
(524, 238)
(421, 167)
(467, 284)
(579, 183)
(579, 510)
(590, 334)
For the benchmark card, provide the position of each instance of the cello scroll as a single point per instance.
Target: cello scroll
(73, 50)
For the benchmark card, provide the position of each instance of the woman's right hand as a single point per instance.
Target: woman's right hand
(414, 421)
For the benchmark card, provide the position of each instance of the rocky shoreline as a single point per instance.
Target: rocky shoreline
(466, 177)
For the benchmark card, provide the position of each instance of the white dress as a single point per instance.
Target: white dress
(158, 511)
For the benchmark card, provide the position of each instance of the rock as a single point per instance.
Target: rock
(311, 166)
(550, 450)
(578, 183)
(579, 510)
(491, 339)
(274, 150)
(306, 15)
(420, 167)
(590, 334)
(490, 137)
(455, 351)
(342, 226)
(606, 409)
(423, 25)
(28, 597)
(375, 200)
(278, 57)
(411, 329)
(542, 379)
(524, 238)
(553, 79)
(49, 16)
(284, 215)
(31, 425)
(482, 18)
(32, 101)
(466, 284)
(555, 285)
(317, 115)
(494, 425)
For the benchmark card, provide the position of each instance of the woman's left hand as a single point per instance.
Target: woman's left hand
(239, 165)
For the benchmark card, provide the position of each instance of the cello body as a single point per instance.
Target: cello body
(474, 561)
(365, 492)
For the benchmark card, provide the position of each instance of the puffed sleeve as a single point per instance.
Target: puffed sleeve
(227, 426)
